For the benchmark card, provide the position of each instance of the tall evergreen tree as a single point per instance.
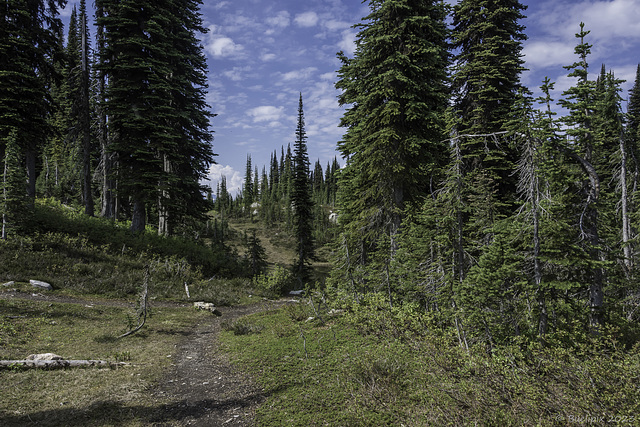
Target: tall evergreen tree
(301, 201)
(395, 89)
(247, 189)
(486, 82)
(580, 101)
(29, 48)
(158, 117)
(14, 206)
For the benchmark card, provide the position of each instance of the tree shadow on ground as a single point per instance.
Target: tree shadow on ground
(116, 413)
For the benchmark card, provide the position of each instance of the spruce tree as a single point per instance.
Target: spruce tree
(395, 92)
(302, 203)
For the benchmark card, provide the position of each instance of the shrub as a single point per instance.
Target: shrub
(277, 281)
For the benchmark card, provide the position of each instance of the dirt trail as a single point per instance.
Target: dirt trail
(202, 388)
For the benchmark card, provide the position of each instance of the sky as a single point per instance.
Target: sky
(262, 54)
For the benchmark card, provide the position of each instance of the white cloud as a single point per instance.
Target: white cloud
(302, 74)
(220, 46)
(281, 20)
(236, 74)
(266, 113)
(333, 25)
(348, 42)
(265, 57)
(234, 178)
(307, 19)
(545, 53)
(610, 22)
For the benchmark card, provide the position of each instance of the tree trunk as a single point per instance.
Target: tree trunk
(139, 216)
(626, 227)
(163, 197)
(31, 175)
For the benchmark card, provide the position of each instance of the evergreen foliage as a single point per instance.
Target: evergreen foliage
(395, 90)
(157, 114)
(486, 82)
(29, 49)
(301, 202)
(15, 208)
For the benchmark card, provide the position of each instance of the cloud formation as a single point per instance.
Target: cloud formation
(266, 113)
(307, 19)
(220, 46)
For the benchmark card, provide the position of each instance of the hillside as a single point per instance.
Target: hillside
(325, 359)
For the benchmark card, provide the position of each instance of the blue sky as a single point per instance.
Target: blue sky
(263, 53)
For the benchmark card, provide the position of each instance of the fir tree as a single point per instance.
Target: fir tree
(395, 90)
(302, 203)
(486, 83)
(29, 49)
(247, 189)
(14, 205)
(156, 71)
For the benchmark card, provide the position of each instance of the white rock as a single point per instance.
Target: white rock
(201, 305)
(40, 284)
(11, 283)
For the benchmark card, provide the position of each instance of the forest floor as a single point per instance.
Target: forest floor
(201, 387)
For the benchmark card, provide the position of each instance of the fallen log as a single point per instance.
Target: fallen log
(58, 364)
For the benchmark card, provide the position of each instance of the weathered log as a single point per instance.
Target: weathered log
(57, 364)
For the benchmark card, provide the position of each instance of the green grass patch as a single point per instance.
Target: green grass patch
(344, 371)
(85, 396)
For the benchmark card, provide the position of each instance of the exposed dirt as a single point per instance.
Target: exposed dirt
(201, 388)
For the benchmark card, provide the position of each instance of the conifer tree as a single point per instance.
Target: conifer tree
(29, 49)
(158, 117)
(395, 90)
(486, 82)
(247, 189)
(14, 205)
(580, 101)
(302, 203)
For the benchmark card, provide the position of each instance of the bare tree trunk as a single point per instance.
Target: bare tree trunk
(31, 175)
(108, 208)
(163, 197)
(139, 215)
(624, 198)
(4, 198)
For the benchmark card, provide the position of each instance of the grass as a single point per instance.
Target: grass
(88, 396)
(338, 372)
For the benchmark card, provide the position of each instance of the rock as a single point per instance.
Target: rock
(11, 283)
(201, 305)
(333, 218)
(297, 293)
(44, 356)
(40, 284)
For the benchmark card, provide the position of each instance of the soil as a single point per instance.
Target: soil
(202, 388)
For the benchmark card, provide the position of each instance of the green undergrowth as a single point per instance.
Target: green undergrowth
(373, 366)
(81, 255)
(85, 396)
